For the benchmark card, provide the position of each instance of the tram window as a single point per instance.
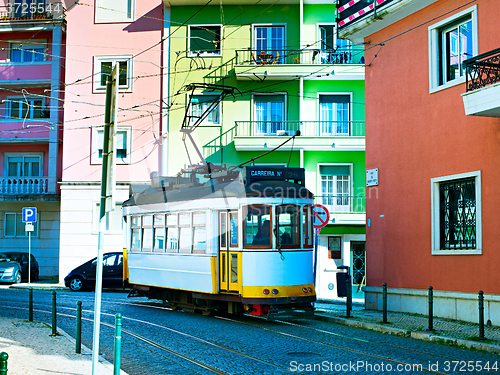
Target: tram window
(234, 268)
(199, 233)
(185, 233)
(136, 234)
(223, 232)
(257, 226)
(233, 237)
(185, 219)
(147, 233)
(288, 225)
(307, 227)
(172, 245)
(159, 233)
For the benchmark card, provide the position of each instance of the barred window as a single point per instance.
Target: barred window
(457, 221)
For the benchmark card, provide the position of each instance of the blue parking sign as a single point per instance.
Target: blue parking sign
(29, 214)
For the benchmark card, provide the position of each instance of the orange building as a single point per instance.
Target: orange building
(433, 133)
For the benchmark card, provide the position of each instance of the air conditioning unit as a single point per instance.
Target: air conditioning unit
(282, 133)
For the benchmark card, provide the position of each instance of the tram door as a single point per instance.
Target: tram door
(229, 257)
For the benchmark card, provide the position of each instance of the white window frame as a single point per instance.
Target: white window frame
(254, 33)
(217, 108)
(7, 155)
(95, 159)
(98, 59)
(435, 211)
(22, 101)
(38, 43)
(435, 33)
(36, 225)
(254, 110)
(350, 94)
(99, 18)
(205, 54)
(318, 45)
(319, 186)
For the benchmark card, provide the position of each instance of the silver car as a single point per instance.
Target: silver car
(10, 270)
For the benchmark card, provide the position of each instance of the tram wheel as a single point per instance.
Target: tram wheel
(208, 312)
(174, 306)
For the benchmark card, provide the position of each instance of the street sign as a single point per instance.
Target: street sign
(321, 216)
(29, 214)
(29, 227)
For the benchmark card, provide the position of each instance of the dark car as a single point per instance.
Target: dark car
(14, 267)
(84, 276)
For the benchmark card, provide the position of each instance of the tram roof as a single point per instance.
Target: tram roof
(265, 182)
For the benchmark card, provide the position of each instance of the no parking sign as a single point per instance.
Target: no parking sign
(321, 216)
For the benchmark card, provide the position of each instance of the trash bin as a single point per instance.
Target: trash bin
(341, 281)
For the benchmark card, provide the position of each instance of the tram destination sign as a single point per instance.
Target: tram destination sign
(256, 173)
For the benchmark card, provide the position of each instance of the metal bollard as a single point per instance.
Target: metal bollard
(431, 310)
(384, 302)
(481, 315)
(118, 343)
(3, 363)
(54, 314)
(78, 339)
(30, 305)
(349, 297)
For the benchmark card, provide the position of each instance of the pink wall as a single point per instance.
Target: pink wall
(84, 109)
(413, 136)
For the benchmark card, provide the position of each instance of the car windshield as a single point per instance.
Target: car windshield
(4, 258)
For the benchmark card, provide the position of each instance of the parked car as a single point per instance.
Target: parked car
(84, 276)
(14, 267)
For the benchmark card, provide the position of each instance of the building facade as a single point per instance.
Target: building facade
(432, 109)
(32, 39)
(288, 72)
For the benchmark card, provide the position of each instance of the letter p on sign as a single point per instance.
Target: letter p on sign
(29, 214)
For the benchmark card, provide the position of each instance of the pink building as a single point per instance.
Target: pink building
(32, 40)
(432, 130)
(129, 33)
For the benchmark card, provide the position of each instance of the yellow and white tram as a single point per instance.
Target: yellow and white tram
(243, 240)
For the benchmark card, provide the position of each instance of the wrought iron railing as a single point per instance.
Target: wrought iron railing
(306, 128)
(23, 185)
(482, 70)
(19, 10)
(342, 203)
(351, 55)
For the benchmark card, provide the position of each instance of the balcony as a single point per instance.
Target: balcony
(482, 85)
(291, 63)
(331, 135)
(344, 209)
(24, 185)
(17, 13)
(33, 74)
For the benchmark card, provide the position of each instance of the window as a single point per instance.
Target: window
(103, 66)
(205, 40)
(27, 8)
(199, 233)
(114, 219)
(307, 227)
(185, 233)
(334, 114)
(233, 233)
(201, 104)
(257, 231)
(19, 165)
(451, 42)
(335, 187)
(109, 11)
(14, 226)
(27, 52)
(159, 233)
(334, 247)
(147, 233)
(223, 230)
(172, 233)
(288, 225)
(25, 108)
(123, 143)
(136, 237)
(270, 42)
(269, 114)
(456, 214)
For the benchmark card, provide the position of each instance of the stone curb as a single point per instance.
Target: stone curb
(426, 336)
(39, 286)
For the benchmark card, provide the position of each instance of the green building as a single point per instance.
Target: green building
(290, 73)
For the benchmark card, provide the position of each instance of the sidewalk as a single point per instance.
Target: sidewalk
(33, 351)
(446, 331)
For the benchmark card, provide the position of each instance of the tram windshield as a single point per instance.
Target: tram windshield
(257, 226)
(288, 225)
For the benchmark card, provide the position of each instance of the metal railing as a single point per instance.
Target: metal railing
(32, 11)
(342, 203)
(306, 128)
(351, 55)
(482, 70)
(23, 185)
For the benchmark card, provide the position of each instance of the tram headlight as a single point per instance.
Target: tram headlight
(304, 290)
(266, 291)
(310, 290)
(275, 291)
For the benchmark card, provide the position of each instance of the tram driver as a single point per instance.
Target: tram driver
(263, 236)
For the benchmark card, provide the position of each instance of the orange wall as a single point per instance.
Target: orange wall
(413, 136)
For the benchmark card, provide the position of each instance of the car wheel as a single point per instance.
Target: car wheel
(18, 278)
(76, 284)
